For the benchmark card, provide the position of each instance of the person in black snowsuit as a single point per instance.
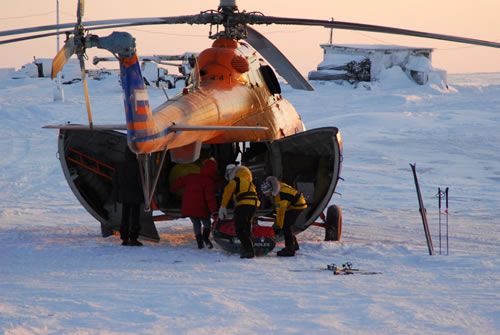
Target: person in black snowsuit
(127, 190)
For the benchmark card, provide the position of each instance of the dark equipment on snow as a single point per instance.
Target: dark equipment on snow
(333, 223)
(423, 211)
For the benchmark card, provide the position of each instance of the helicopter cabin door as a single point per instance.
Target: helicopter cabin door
(88, 160)
(309, 161)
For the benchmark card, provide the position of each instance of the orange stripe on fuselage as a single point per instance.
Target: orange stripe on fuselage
(129, 61)
(142, 110)
(138, 125)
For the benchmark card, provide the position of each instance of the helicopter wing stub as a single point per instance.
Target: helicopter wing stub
(86, 127)
(276, 58)
(369, 28)
(214, 128)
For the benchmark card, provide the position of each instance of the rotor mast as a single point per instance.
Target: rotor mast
(228, 5)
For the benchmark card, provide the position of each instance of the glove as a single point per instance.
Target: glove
(222, 213)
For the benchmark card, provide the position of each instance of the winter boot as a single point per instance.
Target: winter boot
(206, 238)
(295, 243)
(286, 252)
(199, 241)
(125, 242)
(247, 254)
(135, 243)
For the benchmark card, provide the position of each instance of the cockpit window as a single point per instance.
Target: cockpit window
(270, 79)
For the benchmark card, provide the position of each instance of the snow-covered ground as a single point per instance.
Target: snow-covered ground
(57, 275)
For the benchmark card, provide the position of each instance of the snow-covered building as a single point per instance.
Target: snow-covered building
(356, 63)
(42, 68)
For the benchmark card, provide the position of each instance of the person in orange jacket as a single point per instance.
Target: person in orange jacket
(289, 203)
(242, 190)
(198, 199)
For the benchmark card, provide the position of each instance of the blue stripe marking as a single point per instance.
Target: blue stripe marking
(142, 103)
(131, 79)
(150, 137)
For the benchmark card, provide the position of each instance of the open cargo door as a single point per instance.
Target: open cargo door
(310, 161)
(88, 160)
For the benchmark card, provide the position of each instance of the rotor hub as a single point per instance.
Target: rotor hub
(230, 15)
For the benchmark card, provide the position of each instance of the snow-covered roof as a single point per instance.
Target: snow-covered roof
(372, 47)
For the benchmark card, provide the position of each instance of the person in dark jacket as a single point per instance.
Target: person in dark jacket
(128, 191)
(289, 203)
(198, 199)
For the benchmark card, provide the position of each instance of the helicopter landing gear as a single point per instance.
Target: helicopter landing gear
(333, 223)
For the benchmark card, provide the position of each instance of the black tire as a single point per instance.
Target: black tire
(333, 224)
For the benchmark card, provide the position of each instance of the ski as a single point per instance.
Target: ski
(423, 211)
(343, 272)
(345, 269)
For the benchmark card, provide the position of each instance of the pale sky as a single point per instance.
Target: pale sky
(475, 19)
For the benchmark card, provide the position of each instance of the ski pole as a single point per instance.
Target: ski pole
(439, 206)
(446, 213)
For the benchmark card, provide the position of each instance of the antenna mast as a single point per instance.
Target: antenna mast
(331, 33)
(58, 91)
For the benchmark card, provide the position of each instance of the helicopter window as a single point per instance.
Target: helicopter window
(270, 78)
(213, 71)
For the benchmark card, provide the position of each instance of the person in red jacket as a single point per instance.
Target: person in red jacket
(198, 200)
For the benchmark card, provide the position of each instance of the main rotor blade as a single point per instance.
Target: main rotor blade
(189, 19)
(86, 90)
(282, 65)
(368, 27)
(32, 37)
(62, 56)
(243, 18)
(80, 10)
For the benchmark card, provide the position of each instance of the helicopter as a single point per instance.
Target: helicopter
(232, 109)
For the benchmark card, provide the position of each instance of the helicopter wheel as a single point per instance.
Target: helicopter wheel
(333, 224)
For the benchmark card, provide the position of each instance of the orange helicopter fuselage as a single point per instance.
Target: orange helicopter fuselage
(228, 89)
